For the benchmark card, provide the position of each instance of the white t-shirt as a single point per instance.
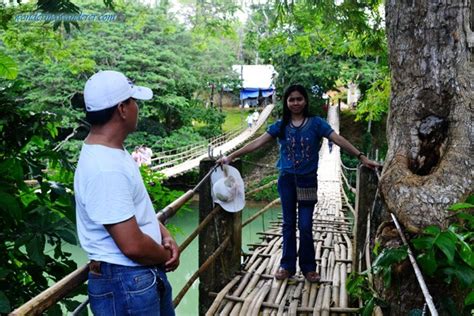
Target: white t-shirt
(109, 189)
(255, 116)
(249, 119)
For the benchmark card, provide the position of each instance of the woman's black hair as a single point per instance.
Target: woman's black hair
(286, 112)
(103, 116)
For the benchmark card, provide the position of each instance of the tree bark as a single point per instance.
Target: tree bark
(429, 164)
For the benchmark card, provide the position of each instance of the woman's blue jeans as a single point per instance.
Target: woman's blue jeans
(306, 254)
(122, 290)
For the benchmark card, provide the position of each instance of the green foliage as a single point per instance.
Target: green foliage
(376, 101)
(153, 49)
(37, 216)
(160, 195)
(8, 67)
(143, 138)
(322, 44)
(448, 254)
(445, 255)
(367, 142)
(351, 175)
(384, 261)
(349, 161)
(234, 119)
(267, 194)
(181, 137)
(358, 286)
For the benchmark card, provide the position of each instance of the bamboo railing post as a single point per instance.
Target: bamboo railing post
(223, 225)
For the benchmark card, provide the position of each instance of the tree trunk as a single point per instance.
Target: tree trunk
(429, 165)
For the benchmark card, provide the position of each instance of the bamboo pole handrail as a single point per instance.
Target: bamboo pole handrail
(182, 153)
(196, 152)
(174, 206)
(191, 153)
(165, 153)
(419, 275)
(198, 229)
(171, 209)
(260, 188)
(80, 308)
(53, 294)
(201, 144)
(201, 269)
(263, 210)
(187, 153)
(177, 150)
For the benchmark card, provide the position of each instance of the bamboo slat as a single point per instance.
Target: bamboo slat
(261, 297)
(212, 310)
(301, 309)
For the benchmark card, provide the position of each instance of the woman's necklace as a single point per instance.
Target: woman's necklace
(298, 123)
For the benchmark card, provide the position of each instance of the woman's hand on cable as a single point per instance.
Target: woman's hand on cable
(369, 163)
(172, 246)
(224, 160)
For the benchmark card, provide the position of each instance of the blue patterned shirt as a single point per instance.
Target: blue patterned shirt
(299, 150)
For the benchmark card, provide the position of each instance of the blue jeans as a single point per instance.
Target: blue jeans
(122, 290)
(306, 254)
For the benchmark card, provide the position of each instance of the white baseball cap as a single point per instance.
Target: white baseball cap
(108, 88)
(228, 188)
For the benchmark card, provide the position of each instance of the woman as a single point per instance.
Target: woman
(299, 135)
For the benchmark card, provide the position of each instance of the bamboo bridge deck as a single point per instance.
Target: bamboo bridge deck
(256, 292)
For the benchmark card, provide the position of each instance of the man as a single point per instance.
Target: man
(147, 153)
(249, 120)
(255, 117)
(130, 251)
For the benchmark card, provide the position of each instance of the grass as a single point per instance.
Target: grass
(235, 118)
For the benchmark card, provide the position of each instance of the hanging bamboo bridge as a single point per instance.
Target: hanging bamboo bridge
(176, 162)
(236, 283)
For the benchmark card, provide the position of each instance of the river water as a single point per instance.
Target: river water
(186, 222)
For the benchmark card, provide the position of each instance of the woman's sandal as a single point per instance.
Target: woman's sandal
(312, 277)
(282, 274)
